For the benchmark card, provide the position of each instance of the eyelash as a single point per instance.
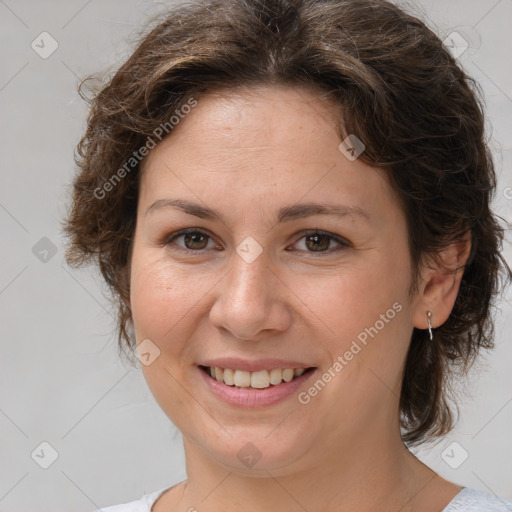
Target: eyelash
(343, 244)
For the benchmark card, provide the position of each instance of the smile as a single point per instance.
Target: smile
(260, 388)
(261, 379)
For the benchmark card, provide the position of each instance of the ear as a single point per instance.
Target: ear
(439, 283)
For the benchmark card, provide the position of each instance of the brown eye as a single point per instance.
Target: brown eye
(321, 242)
(318, 242)
(193, 240)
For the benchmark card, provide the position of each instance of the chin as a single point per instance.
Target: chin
(256, 452)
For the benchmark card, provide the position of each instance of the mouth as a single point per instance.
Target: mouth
(254, 389)
(257, 380)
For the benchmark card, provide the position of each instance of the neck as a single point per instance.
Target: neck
(365, 477)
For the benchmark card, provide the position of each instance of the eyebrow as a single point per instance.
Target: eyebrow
(285, 213)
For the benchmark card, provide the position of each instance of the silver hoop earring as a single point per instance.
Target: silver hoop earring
(429, 316)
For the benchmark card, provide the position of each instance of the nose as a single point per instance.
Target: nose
(252, 301)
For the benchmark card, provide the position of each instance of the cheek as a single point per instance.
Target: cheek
(161, 296)
(353, 298)
(365, 313)
(162, 299)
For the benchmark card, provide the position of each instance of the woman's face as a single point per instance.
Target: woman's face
(264, 280)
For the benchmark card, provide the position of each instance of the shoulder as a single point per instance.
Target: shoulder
(143, 504)
(471, 500)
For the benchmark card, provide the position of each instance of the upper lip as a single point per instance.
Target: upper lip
(253, 365)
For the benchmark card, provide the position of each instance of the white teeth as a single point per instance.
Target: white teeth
(241, 378)
(276, 376)
(259, 380)
(288, 374)
(229, 377)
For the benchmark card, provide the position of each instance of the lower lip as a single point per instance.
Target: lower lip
(243, 397)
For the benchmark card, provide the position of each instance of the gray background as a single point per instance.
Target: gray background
(61, 380)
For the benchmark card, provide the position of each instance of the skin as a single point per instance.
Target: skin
(246, 154)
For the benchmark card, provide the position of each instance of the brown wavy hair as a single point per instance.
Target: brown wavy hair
(400, 91)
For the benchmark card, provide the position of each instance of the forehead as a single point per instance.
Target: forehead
(266, 143)
(276, 118)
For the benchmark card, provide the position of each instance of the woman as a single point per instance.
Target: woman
(291, 203)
